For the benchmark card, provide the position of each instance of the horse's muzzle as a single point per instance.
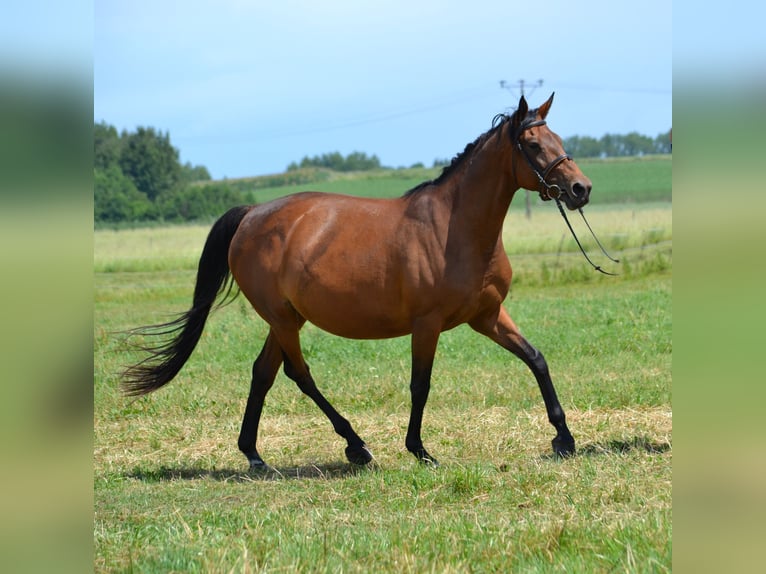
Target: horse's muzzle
(577, 195)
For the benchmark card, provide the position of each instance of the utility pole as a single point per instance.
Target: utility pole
(506, 86)
(522, 83)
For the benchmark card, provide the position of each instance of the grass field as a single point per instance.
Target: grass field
(172, 494)
(615, 180)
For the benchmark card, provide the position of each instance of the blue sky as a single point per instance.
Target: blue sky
(246, 87)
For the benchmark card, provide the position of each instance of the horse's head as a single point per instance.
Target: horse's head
(545, 166)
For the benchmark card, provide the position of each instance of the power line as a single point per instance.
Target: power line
(619, 89)
(374, 117)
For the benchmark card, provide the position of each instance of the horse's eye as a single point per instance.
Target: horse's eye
(534, 146)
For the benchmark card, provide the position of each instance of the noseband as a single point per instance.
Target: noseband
(547, 191)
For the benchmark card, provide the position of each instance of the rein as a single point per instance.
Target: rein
(569, 225)
(552, 191)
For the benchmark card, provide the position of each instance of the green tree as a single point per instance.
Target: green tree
(636, 144)
(610, 146)
(582, 146)
(355, 161)
(359, 161)
(662, 143)
(150, 161)
(138, 177)
(116, 198)
(190, 173)
(197, 202)
(106, 146)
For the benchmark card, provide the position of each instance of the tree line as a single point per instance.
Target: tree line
(138, 176)
(355, 161)
(614, 145)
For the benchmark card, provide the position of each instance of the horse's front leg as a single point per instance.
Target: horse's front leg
(500, 328)
(424, 340)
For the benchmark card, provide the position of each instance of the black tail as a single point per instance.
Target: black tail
(213, 278)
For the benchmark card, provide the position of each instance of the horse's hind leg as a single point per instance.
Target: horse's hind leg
(265, 370)
(501, 329)
(297, 369)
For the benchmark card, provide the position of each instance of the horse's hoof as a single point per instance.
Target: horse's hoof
(359, 455)
(259, 468)
(429, 461)
(563, 447)
(426, 459)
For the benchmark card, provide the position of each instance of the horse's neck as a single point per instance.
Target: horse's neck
(481, 194)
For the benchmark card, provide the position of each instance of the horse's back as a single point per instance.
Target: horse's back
(356, 267)
(335, 259)
(308, 221)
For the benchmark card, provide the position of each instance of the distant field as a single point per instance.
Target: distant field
(620, 180)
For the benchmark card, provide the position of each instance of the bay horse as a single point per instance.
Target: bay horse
(361, 268)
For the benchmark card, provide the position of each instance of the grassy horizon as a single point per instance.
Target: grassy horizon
(615, 180)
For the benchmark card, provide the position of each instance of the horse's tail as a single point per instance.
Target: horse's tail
(213, 278)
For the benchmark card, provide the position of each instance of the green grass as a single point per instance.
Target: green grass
(377, 183)
(172, 494)
(631, 179)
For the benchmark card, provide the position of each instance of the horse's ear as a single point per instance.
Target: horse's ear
(521, 112)
(543, 110)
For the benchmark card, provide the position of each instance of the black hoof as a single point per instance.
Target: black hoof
(429, 461)
(563, 447)
(426, 459)
(258, 467)
(359, 455)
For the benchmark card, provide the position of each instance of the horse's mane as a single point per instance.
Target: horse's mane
(497, 123)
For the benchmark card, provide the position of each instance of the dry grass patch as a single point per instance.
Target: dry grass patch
(500, 502)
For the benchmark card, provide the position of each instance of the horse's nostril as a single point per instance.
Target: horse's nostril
(580, 190)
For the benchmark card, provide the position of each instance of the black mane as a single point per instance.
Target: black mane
(497, 123)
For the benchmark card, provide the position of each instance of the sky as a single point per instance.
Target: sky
(246, 87)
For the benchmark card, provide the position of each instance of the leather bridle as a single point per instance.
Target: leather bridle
(547, 191)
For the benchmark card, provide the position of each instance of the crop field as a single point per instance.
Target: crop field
(172, 492)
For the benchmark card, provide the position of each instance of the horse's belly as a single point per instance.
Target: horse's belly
(353, 317)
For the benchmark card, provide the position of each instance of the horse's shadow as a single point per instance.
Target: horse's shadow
(639, 444)
(635, 444)
(339, 469)
(333, 470)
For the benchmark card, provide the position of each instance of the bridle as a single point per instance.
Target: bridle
(552, 191)
(547, 191)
